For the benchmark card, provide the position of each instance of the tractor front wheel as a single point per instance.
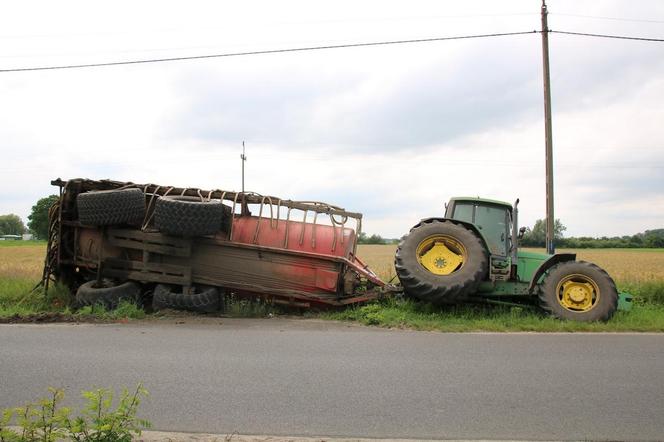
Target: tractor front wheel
(440, 262)
(580, 291)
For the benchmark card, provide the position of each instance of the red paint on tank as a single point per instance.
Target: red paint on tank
(303, 237)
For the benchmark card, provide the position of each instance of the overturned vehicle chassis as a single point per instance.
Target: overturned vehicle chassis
(298, 253)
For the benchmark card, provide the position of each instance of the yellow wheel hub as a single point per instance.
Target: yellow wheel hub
(578, 293)
(441, 254)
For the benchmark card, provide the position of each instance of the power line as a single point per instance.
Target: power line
(619, 37)
(599, 17)
(318, 48)
(271, 51)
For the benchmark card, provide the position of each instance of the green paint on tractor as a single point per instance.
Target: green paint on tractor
(528, 262)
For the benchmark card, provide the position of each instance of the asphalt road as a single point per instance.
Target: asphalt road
(311, 378)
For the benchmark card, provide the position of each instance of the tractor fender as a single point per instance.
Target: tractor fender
(546, 265)
(467, 225)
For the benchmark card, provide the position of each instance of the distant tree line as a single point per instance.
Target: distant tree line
(535, 237)
(375, 239)
(12, 224)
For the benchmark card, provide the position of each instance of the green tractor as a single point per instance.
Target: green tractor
(471, 254)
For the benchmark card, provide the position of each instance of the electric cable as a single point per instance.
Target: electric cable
(599, 17)
(317, 48)
(263, 52)
(619, 37)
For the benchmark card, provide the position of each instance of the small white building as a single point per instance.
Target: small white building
(10, 237)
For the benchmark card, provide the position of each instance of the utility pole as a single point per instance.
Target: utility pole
(550, 248)
(244, 159)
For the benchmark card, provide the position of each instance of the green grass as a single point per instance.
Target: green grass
(647, 314)
(22, 243)
(126, 310)
(17, 300)
(410, 314)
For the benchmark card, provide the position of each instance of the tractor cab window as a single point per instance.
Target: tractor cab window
(463, 212)
(492, 221)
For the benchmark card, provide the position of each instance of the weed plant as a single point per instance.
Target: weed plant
(46, 420)
(239, 307)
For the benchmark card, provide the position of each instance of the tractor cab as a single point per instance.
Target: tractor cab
(492, 218)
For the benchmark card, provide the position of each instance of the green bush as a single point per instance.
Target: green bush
(47, 421)
(645, 292)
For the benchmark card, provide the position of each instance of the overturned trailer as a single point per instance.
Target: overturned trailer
(110, 240)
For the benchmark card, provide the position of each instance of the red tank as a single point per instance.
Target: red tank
(294, 235)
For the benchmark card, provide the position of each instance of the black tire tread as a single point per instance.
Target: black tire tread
(111, 207)
(427, 288)
(110, 295)
(207, 300)
(188, 216)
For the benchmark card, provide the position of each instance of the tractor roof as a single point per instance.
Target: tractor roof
(481, 200)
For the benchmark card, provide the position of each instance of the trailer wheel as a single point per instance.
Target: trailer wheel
(109, 294)
(440, 262)
(204, 299)
(108, 207)
(188, 216)
(580, 291)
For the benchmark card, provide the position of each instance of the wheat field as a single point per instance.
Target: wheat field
(22, 262)
(624, 265)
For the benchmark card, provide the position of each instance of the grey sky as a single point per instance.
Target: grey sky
(392, 132)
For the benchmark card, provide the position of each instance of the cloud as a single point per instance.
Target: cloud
(380, 106)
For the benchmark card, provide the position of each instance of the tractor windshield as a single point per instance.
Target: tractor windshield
(492, 220)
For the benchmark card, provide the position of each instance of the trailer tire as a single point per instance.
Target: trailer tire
(443, 279)
(109, 207)
(110, 294)
(205, 299)
(188, 216)
(580, 291)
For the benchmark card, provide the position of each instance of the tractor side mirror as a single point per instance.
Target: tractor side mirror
(522, 231)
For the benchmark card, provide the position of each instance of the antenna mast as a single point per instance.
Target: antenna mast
(244, 159)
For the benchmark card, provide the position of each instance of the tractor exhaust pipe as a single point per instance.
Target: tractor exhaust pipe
(515, 231)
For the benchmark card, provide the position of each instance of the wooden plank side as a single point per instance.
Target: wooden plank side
(150, 241)
(156, 271)
(147, 276)
(150, 266)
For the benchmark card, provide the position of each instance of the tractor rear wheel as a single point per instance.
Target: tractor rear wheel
(440, 262)
(580, 291)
